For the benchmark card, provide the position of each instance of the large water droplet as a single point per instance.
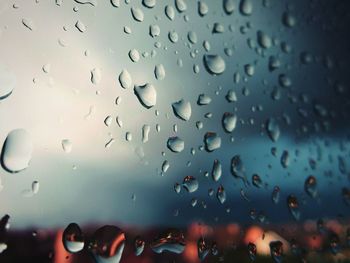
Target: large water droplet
(73, 239)
(134, 55)
(146, 94)
(171, 240)
(170, 12)
(107, 244)
(16, 151)
(214, 64)
(182, 109)
(203, 99)
(211, 141)
(273, 129)
(203, 8)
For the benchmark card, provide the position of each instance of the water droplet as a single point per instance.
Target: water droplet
(264, 40)
(252, 251)
(170, 12)
(334, 243)
(229, 6)
(285, 160)
(165, 166)
(134, 55)
(203, 99)
(256, 181)
(246, 7)
(190, 183)
(192, 37)
(272, 129)
(80, 26)
(181, 5)
(154, 30)
(346, 195)
(128, 136)
(310, 186)
(115, 3)
(95, 76)
(203, 8)
(214, 249)
(149, 3)
(108, 121)
(67, 145)
(276, 195)
(218, 28)
(182, 109)
(216, 171)
(288, 19)
(173, 36)
(221, 194)
(137, 14)
(145, 133)
(293, 206)
(214, 64)
(175, 144)
(202, 248)
(16, 151)
(276, 250)
(159, 72)
(231, 96)
(28, 23)
(7, 83)
(46, 68)
(89, 2)
(177, 187)
(212, 141)
(139, 244)
(107, 244)
(3, 247)
(125, 79)
(73, 239)
(146, 94)
(171, 240)
(35, 187)
(229, 121)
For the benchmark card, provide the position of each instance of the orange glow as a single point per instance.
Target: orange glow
(60, 254)
(334, 226)
(190, 253)
(252, 234)
(116, 244)
(314, 241)
(196, 230)
(233, 229)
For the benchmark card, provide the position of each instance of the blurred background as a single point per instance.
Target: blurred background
(254, 91)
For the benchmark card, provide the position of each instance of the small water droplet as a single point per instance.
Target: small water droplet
(212, 141)
(125, 79)
(190, 183)
(67, 145)
(276, 250)
(80, 26)
(139, 245)
(137, 14)
(95, 76)
(134, 55)
(229, 121)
